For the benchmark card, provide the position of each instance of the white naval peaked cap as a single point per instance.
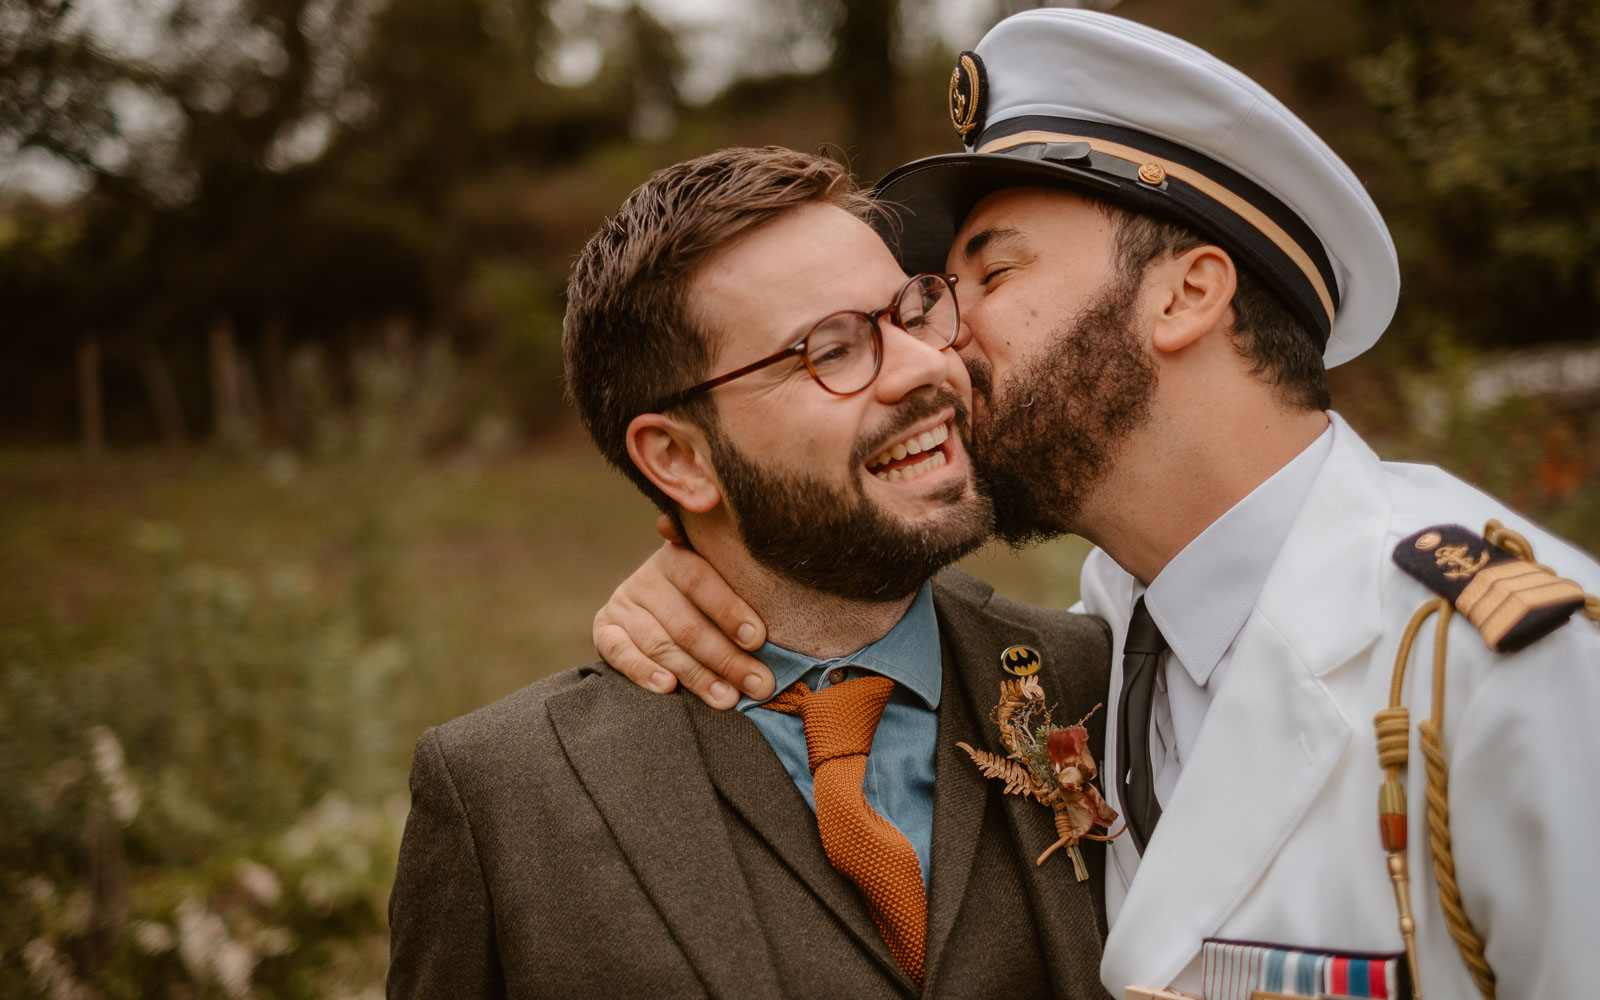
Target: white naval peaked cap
(1079, 98)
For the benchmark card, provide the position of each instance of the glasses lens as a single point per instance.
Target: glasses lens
(927, 309)
(840, 352)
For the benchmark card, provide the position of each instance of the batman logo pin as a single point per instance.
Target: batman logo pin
(969, 91)
(1020, 661)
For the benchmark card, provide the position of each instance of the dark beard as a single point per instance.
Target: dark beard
(834, 539)
(1051, 431)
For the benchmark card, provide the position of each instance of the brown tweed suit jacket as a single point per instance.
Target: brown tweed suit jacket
(586, 838)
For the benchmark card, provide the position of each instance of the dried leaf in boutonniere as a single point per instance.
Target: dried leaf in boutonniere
(1050, 763)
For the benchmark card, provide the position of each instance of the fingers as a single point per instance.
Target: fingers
(695, 579)
(657, 637)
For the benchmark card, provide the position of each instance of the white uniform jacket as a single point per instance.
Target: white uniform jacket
(1271, 832)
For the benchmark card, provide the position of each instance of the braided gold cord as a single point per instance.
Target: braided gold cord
(1431, 739)
(1444, 867)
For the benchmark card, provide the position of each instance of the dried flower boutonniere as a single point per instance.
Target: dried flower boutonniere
(1049, 762)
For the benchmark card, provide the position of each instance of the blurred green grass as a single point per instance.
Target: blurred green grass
(492, 567)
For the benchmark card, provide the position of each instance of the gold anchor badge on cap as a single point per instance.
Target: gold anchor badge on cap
(969, 91)
(1020, 661)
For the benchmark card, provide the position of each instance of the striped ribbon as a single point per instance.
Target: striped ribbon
(1295, 973)
(1362, 977)
(1234, 970)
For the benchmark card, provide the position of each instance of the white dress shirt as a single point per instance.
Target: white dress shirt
(1201, 599)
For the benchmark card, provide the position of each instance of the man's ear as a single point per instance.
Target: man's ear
(1196, 289)
(675, 455)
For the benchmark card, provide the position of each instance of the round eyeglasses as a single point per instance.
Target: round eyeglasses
(844, 351)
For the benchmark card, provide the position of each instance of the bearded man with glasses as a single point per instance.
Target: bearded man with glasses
(742, 345)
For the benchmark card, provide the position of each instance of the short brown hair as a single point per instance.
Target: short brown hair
(1281, 351)
(629, 339)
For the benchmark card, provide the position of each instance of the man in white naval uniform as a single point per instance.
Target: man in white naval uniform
(1147, 385)
(1283, 618)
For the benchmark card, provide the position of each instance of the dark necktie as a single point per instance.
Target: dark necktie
(1141, 658)
(840, 722)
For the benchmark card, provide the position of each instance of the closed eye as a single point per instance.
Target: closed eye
(991, 274)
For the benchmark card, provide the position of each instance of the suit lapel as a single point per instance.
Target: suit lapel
(634, 753)
(1270, 741)
(974, 637)
(1271, 738)
(749, 776)
(959, 799)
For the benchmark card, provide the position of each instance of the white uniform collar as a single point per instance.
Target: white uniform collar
(1202, 598)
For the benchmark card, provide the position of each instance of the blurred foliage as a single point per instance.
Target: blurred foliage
(1496, 108)
(308, 171)
(209, 691)
(315, 171)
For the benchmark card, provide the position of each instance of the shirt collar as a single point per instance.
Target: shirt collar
(1202, 598)
(908, 655)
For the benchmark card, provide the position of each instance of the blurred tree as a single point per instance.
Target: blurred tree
(194, 128)
(55, 88)
(867, 72)
(1495, 106)
(867, 55)
(272, 170)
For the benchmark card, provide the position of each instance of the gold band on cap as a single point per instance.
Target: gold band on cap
(1216, 192)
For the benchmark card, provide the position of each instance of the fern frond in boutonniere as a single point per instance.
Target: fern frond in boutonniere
(1049, 763)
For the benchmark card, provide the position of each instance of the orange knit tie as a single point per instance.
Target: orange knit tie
(840, 722)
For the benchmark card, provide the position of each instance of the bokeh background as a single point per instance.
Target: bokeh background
(285, 475)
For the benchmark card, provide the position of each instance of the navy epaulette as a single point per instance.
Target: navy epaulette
(1512, 602)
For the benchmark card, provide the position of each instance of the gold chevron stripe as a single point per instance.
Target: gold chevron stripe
(1501, 596)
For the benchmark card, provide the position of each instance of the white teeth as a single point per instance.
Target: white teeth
(916, 445)
(934, 461)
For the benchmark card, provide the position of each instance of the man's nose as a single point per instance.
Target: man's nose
(909, 363)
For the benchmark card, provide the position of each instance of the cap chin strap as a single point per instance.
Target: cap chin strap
(1132, 164)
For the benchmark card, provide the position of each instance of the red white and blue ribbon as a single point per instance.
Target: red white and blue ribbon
(1235, 970)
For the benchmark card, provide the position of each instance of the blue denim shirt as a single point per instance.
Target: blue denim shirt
(899, 782)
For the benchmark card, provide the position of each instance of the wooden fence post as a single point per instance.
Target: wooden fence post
(91, 404)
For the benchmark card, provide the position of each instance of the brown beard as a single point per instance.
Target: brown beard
(832, 538)
(1052, 429)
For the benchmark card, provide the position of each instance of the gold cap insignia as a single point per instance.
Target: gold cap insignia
(969, 89)
(1021, 661)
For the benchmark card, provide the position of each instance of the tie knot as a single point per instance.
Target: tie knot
(1143, 635)
(840, 720)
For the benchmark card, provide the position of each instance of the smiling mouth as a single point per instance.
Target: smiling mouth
(913, 456)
